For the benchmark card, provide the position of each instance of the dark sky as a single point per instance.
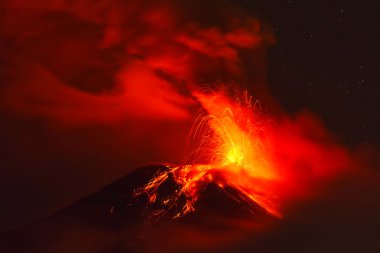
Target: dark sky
(327, 59)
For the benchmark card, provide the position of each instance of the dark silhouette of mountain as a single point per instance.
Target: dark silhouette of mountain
(114, 212)
(115, 204)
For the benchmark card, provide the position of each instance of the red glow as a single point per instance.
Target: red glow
(267, 162)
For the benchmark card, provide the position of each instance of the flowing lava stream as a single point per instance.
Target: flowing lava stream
(233, 152)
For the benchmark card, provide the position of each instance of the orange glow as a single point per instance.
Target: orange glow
(237, 136)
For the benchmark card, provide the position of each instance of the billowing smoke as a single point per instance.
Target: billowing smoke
(102, 62)
(92, 89)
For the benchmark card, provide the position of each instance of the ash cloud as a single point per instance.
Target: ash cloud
(100, 61)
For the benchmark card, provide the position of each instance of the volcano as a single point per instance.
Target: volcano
(117, 204)
(126, 201)
(122, 218)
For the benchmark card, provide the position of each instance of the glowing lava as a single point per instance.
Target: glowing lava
(232, 151)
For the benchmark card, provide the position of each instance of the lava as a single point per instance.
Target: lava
(232, 151)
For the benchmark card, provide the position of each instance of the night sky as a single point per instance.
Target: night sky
(327, 59)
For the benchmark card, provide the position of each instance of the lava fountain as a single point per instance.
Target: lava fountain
(231, 150)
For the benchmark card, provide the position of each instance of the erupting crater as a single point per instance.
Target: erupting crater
(230, 151)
